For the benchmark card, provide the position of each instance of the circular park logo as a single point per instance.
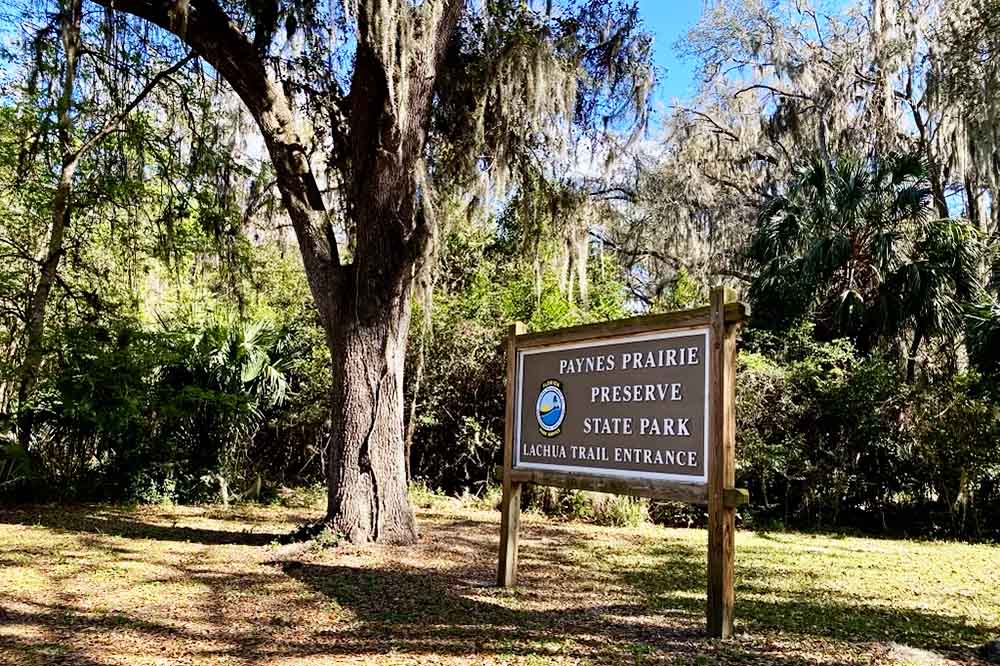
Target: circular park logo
(550, 409)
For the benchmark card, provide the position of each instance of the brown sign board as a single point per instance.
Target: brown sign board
(635, 406)
(642, 406)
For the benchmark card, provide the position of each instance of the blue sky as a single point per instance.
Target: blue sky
(668, 21)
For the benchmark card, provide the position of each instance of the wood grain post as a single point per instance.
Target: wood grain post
(721, 467)
(510, 502)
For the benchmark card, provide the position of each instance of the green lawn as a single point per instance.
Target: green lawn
(181, 585)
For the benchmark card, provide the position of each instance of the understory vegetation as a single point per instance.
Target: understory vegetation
(160, 342)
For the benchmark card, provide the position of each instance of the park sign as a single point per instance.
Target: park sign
(632, 406)
(641, 406)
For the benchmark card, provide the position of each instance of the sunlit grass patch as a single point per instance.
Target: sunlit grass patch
(160, 584)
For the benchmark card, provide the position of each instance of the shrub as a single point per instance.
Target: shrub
(423, 496)
(956, 455)
(618, 510)
(164, 416)
(487, 500)
(677, 514)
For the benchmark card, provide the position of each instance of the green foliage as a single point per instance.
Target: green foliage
(586, 506)
(677, 514)
(562, 503)
(327, 539)
(984, 338)
(683, 293)
(214, 392)
(15, 467)
(852, 246)
(488, 500)
(833, 429)
(423, 496)
(168, 415)
(830, 437)
(619, 510)
(483, 286)
(955, 434)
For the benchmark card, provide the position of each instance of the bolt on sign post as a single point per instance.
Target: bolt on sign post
(641, 406)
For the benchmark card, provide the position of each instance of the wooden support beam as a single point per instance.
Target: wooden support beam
(721, 467)
(510, 502)
(659, 490)
(734, 312)
(734, 497)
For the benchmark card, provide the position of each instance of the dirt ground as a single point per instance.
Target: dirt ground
(99, 585)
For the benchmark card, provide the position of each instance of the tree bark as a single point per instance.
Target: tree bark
(364, 306)
(70, 18)
(367, 487)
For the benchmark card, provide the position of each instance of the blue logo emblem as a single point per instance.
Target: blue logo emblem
(550, 409)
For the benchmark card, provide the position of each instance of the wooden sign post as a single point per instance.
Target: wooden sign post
(642, 406)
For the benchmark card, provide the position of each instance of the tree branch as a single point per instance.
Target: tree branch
(215, 37)
(619, 193)
(111, 123)
(776, 91)
(704, 116)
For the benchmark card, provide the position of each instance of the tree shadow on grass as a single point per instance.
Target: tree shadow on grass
(121, 523)
(437, 599)
(58, 631)
(417, 611)
(670, 584)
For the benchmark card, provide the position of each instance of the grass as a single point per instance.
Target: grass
(178, 585)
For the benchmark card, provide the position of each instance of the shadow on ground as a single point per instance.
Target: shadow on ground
(434, 599)
(123, 523)
(673, 579)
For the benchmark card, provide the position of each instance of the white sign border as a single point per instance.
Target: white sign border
(603, 342)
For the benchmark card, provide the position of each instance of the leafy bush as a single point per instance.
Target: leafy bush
(618, 510)
(423, 496)
(488, 500)
(562, 503)
(827, 437)
(302, 497)
(957, 457)
(15, 467)
(677, 514)
(585, 506)
(152, 417)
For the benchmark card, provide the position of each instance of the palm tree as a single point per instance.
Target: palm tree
(223, 380)
(854, 246)
(984, 338)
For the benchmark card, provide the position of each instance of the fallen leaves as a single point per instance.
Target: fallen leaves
(94, 586)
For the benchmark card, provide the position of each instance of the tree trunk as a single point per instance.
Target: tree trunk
(39, 303)
(938, 194)
(911, 359)
(368, 499)
(934, 170)
(972, 202)
(364, 306)
(411, 420)
(70, 18)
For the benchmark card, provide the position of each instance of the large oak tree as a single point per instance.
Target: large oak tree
(373, 110)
